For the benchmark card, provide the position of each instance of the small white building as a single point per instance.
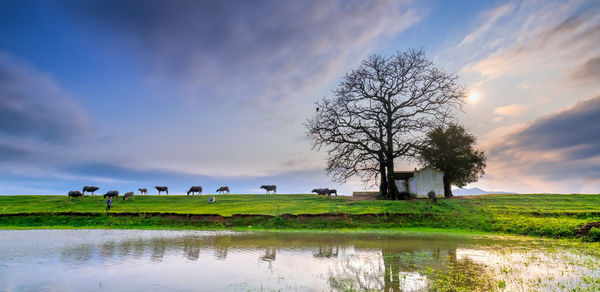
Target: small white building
(419, 182)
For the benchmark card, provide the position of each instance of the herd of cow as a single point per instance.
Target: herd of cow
(194, 189)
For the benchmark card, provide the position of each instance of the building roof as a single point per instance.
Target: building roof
(403, 174)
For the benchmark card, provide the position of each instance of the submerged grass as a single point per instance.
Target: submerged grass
(547, 215)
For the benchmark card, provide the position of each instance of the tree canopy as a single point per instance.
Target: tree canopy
(380, 112)
(451, 149)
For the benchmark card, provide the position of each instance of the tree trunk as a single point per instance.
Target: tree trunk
(391, 265)
(389, 157)
(392, 189)
(447, 188)
(383, 184)
(383, 178)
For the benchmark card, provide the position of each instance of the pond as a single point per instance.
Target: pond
(157, 260)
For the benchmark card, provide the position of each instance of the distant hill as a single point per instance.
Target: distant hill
(475, 191)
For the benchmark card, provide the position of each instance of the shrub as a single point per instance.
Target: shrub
(594, 234)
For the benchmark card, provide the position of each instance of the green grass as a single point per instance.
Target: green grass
(548, 215)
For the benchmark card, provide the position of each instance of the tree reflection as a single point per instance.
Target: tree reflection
(158, 249)
(463, 273)
(107, 250)
(220, 252)
(78, 255)
(326, 251)
(124, 248)
(397, 270)
(270, 254)
(191, 250)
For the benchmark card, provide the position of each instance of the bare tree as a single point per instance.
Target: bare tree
(379, 113)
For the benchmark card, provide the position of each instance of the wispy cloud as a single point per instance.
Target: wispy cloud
(257, 54)
(510, 110)
(33, 105)
(588, 72)
(570, 39)
(490, 18)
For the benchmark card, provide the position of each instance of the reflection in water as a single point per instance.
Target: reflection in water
(191, 249)
(78, 255)
(158, 249)
(220, 252)
(107, 250)
(190, 260)
(326, 251)
(269, 255)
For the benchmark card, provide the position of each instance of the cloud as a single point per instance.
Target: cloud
(535, 58)
(491, 17)
(560, 146)
(572, 36)
(510, 110)
(33, 105)
(259, 54)
(588, 72)
(11, 153)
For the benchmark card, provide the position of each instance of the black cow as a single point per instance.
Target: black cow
(112, 194)
(90, 189)
(75, 194)
(128, 195)
(162, 189)
(195, 189)
(223, 190)
(332, 191)
(143, 191)
(321, 192)
(431, 195)
(269, 188)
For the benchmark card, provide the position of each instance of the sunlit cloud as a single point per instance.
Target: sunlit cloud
(558, 147)
(510, 110)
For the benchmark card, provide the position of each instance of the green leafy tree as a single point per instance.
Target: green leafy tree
(451, 149)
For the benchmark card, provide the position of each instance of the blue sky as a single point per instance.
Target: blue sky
(128, 94)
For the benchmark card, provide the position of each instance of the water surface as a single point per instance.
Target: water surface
(152, 260)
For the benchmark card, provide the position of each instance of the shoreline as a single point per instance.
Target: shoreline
(326, 222)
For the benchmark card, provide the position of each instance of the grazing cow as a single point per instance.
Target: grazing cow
(223, 190)
(90, 189)
(162, 189)
(431, 195)
(143, 191)
(195, 189)
(112, 194)
(128, 195)
(332, 191)
(269, 188)
(321, 192)
(75, 194)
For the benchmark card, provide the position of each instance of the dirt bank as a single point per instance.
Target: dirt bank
(216, 218)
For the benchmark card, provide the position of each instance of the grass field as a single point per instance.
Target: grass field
(551, 215)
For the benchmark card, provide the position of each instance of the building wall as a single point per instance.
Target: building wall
(401, 185)
(412, 186)
(425, 180)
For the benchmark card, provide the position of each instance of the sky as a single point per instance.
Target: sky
(130, 94)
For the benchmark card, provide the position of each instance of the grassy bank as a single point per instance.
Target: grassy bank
(549, 215)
